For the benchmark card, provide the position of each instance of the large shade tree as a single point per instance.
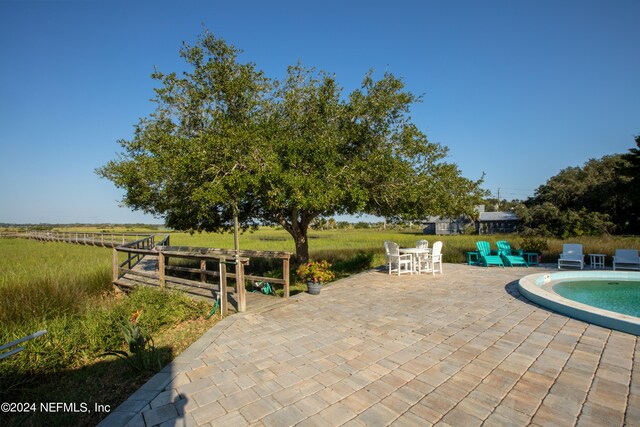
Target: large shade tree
(227, 140)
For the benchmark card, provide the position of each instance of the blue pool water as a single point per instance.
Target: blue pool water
(614, 295)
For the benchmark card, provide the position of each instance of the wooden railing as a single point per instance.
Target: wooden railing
(133, 258)
(206, 273)
(83, 238)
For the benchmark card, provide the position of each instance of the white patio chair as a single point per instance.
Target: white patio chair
(627, 259)
(386, 247)
(571, 256)
(423, 259)
(435, 257)
(396, 261)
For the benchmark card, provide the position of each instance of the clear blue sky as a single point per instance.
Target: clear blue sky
(516, 89)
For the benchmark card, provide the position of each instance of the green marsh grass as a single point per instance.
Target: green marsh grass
(45, 280)
(66, 289)
(65, 364)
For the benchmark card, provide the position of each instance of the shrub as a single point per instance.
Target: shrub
(534, 244)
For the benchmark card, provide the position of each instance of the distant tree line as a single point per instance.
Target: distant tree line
(598, 198)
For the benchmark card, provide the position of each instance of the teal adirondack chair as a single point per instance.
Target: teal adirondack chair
(509, 256)
(486, 258)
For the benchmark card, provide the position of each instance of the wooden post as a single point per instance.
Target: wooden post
(203, 267)
(161, 269)
(223, 287)
(115, 269)
(240, 290)
(285, 273)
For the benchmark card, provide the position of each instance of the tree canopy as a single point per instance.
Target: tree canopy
(599, 197)
(226, 139)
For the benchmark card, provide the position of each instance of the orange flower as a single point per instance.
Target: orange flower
(134, 317)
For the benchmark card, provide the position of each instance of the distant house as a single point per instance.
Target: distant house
(488, 223)
(497, 223)
(436, 225)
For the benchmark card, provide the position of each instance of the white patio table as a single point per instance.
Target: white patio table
(417, 257)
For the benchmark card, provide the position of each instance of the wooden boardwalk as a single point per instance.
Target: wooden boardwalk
(107, 240)
(139, 260)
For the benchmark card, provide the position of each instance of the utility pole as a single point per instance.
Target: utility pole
(498, 206)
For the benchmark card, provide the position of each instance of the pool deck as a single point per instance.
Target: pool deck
(460, 349)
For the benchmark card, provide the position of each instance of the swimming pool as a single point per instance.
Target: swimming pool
(610, 298)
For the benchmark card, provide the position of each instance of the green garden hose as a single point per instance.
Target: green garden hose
(215, 307)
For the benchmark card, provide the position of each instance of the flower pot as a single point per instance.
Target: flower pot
(314, 287)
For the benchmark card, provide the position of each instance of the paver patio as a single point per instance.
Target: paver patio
(461, 349)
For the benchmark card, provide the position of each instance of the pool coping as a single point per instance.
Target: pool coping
(531, 287)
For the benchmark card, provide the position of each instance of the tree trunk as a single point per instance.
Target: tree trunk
(298, 225)
(302, 247)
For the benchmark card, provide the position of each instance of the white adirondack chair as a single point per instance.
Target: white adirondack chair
(571, 256)
(435, 257)
(627, 259)
(397, 262)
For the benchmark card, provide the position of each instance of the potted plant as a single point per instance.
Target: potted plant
(315, 273)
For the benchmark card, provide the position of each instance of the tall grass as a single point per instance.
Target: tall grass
(75, 339)
(46, 280)
(66, 289)
(65, 364)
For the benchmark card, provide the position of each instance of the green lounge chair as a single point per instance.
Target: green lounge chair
(486, 258)
(509, 256)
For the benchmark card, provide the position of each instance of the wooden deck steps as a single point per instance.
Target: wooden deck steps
(207, 291)
(255, 300)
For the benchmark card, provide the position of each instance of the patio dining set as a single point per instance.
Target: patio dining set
(418, 259)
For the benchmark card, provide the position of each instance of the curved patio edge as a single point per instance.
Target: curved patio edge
(531, 287)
